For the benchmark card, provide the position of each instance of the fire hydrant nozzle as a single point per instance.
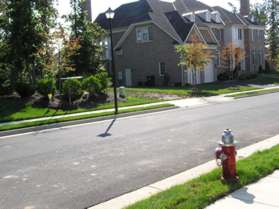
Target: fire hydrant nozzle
(226, 156)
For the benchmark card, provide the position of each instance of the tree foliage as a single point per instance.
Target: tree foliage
(267, 13)
(27, 37)
(195, 56)
(87, 58)
(231, 58)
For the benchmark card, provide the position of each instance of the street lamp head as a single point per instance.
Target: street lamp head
(110, 14)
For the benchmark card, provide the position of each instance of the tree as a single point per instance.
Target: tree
(28, 37)
(195, 56)
(87, 58)
(258, 11)
(273, 31)
(231, 58)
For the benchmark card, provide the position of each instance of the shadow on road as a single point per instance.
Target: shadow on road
(106, 133)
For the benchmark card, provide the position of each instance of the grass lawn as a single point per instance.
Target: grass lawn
(256, 93)
(211, 89)
(16, 109)
(205, 190)
(73, 118)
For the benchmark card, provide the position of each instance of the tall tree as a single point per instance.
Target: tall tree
(259, 11)
(28, 36)
(273, 31)
(87, 59)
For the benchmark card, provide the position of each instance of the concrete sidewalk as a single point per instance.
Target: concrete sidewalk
(149, 190)
(261, 195)
(183, 103)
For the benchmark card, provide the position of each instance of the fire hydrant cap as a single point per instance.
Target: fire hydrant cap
(227, 137)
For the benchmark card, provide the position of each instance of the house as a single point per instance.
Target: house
(146, 33)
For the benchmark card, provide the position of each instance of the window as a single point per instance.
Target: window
(207, 16)
(255, 36)
(239, 34)
(143, 34)
(162, 69)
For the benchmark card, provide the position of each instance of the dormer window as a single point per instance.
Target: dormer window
(207, 16)
(216, 16)
(190, 16)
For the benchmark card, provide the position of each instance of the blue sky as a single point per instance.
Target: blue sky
(99, 6)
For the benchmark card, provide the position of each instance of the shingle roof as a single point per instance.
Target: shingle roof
(227, 16)
(249, 21)
(194, 5)
(127, 14)
(182, 28)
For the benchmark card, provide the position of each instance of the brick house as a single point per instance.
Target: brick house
(146, 32)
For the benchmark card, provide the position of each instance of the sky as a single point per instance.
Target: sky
(99, 6)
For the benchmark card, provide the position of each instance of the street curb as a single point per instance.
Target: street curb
(78, 122)
(152, 189)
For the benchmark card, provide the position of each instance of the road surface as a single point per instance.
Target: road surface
(77, 167)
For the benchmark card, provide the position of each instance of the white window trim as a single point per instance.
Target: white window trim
(142, 40)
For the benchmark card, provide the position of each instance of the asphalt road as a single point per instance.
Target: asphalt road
(77, 167)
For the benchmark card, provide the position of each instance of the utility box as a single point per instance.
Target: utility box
(122, 92)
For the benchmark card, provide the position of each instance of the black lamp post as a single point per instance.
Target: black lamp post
(110, 15)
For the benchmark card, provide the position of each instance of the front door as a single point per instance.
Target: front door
(128, 77)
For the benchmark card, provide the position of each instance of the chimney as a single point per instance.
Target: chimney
(244, 7)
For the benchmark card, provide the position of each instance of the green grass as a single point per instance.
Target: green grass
(256, 93)
(205, 190)
(16, 109)
(74, 118)
(211, 89)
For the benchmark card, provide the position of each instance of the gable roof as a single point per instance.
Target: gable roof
(194, 5)
(228, 17)
(182, 28)
(127, 14)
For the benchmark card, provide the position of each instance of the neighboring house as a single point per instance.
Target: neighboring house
(146, 33)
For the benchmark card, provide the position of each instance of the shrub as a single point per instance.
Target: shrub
(103, 76)
(71, 90)
(45, 86)
(224, 76)
(5, 83)
(24, 89)
(5, 87)
(247, 76)
(92, 84)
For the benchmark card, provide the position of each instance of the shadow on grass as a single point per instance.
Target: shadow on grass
(11, 106)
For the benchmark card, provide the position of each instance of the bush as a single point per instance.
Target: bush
(5, 87)
(71, 90)
(92, 84)
(103, 76)
(5, 83)
(223, 76)
(24, 89)
(247, 76)
(45, 86)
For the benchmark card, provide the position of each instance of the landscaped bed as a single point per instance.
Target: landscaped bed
(208, 188)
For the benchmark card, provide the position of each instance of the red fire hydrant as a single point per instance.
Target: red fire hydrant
(226, 156)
